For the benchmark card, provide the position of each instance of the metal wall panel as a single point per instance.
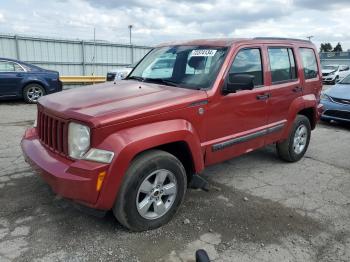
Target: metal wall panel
(70, 57)
(335, 58)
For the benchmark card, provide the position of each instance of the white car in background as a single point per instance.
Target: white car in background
(161, 68)
(332, 74)
(119, 73)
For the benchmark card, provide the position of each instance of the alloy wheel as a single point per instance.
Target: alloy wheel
(300, 139)
(156, 194)
(34, 93)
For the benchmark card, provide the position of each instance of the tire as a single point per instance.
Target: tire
(202, 256)
(32, 92)
(145, 172)
(288, 150)
(325, 120)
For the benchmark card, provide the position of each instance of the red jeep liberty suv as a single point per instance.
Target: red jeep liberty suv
(134, 146)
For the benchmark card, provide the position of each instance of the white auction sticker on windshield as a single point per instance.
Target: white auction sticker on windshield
(203, 52)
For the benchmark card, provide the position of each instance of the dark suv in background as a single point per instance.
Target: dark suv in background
(22, 80)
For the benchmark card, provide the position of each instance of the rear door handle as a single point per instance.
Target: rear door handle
(264, 96)
(297, 89)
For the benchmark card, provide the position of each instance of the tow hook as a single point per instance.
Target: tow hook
(198, 182)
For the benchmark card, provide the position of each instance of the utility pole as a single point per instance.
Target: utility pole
(310, 37)
(94, 58)
(130, 27)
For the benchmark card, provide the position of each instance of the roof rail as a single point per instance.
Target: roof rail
(281, 38)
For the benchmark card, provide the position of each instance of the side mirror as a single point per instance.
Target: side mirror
(239, 82)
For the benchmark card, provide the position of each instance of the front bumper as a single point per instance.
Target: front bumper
(335, 111)
(75, 180)
(327, 79)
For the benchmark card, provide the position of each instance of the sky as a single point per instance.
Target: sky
(156, 21)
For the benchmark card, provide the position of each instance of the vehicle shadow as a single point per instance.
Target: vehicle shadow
(12, 102)
(335, 124)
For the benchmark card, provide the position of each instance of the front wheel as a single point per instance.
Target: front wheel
(294, 147)
(153, 189)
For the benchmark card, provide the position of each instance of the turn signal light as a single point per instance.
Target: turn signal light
(100, 178)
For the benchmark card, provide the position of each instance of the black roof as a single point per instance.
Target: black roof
(22, 63)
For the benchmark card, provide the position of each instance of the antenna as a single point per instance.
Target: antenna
(310, 37)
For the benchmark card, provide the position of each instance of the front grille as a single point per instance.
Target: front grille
(341, 101)
(52, 132)
(325, 74)
(338, 114)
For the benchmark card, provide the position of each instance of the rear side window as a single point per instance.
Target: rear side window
(248, 61)
(282, 64)
(309, 63)
(18, 68)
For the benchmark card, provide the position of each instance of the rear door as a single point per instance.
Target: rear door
(11, 76)
(285, 87)
(310, 66)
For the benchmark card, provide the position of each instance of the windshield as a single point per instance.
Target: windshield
(346, 80)
(193, 67)
(330, 67)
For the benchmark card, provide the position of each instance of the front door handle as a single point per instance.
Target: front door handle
(264, 96)
(297, 89)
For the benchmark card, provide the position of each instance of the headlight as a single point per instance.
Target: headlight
(78, 140)
(99, 155)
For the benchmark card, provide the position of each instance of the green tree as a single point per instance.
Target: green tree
(326, 47)
(338, 48)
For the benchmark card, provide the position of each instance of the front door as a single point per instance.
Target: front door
(236, 122)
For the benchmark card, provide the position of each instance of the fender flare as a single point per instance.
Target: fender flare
(300, 103)
(128, 143)
(34, 80)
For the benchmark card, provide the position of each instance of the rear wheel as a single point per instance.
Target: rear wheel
(153, 189)
(32, 93)
(294, 147)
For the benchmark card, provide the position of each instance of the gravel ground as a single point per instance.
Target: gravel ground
(258, 209)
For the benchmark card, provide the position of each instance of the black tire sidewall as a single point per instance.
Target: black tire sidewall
(25, 91)
(133, 219)
(301, 120)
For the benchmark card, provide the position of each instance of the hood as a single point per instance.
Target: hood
(327, 71)
(340, 91)
(109, 103)
(120, 70)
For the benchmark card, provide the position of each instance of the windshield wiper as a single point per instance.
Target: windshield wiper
(138, 78)
(161, 81)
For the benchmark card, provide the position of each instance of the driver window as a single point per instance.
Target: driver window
(248, 62)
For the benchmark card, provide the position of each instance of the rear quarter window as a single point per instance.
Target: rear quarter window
(309, 62)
